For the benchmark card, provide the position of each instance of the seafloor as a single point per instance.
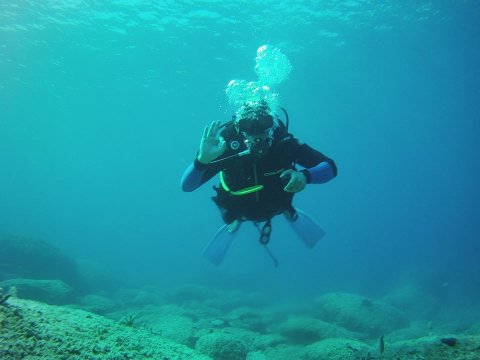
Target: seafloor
(55, 307)
(196, 322)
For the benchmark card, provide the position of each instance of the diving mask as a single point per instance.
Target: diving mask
(255, 125)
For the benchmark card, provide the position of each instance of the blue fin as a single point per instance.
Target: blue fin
(306, 229)
(217, 247)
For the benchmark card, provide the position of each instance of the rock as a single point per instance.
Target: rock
(95, 277)
(138, 297)
(38, 331)
(414, 301)
(247, 318)
(175, 327)
(284, 352)
(432, 348)
(188, 293)
(255, 355)
(97, 304)
(474, 329)
(413, 331)
(307, 330)
(22, 257)
(360, 314)
(54, 292)
(230, 300)
(217, 323)
(222, 346)
(336, 349)
(262, 342)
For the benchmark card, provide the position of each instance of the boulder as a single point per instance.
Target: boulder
(97, 304)
(336, 349)
(54, 292)
(174, 327)
(192, 292)
(307, 330)
(360, 314)
(138, 298)
(32, 330)
(22, 257)
(222, 346)
(284, 352)
(247, 318)
(414, 301)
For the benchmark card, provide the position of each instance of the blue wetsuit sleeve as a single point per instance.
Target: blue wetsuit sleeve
(193, 176)
(196, 174)
(320, 174)
(318, 168)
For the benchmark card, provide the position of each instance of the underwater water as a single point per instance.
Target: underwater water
(102, 106)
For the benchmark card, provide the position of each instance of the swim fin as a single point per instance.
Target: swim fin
(306, 228)
(217, 247)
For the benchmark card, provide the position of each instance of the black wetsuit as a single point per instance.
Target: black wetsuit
(241, 172)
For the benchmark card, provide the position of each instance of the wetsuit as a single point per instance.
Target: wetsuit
(241, 173)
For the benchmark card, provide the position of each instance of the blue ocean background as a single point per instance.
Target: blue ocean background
(102, 105)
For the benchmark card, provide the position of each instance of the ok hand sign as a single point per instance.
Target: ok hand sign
(212, 145)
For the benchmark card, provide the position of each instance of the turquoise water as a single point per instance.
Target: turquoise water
(102, 105)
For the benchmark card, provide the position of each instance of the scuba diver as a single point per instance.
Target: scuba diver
(257, 160)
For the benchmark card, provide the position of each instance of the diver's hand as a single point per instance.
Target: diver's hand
(297, 181)
(211, 145)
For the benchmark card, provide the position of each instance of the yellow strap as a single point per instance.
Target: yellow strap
(245, 191)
